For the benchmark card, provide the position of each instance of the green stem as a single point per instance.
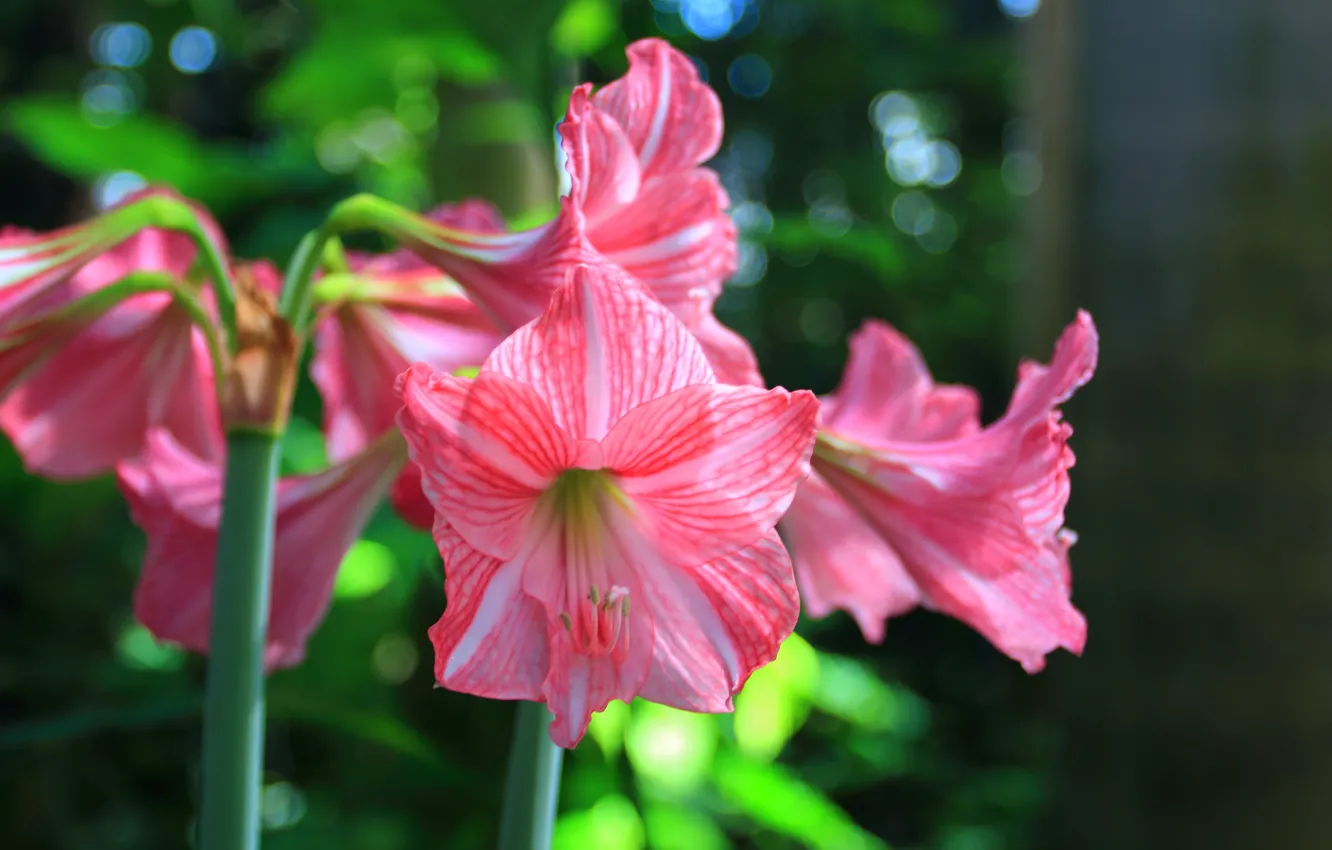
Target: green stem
(295, 301)
(532, 789)
(223, 288)
(233, 746)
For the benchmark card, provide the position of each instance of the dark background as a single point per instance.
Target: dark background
(1165, 165)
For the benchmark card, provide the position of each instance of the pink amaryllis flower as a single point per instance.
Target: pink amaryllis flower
(606, 510)
(176, 498)
(141, 361)
(638, 199)
(392, 311)
(914, 503)
(634, 150)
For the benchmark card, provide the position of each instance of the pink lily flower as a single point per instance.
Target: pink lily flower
(401, 311)
(176, 498)
(142, 363)
(606, 510)
(914, 503)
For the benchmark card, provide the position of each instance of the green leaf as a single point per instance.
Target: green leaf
(607, 728)
(672, 827)
(775, 798)
(56, 132)
(139, 650)
(583, 28)
(775, 701)
(669, 748)
(366, 569)
(612, 824)
(862, 244)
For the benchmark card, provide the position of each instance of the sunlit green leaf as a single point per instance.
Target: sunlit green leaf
(607, 728)
(366, 569)
(672, 827)
(775, 701)
(583, 28)
(669, 748)
(138, 649)
(612, 824)
(218, 175)
(775, 798)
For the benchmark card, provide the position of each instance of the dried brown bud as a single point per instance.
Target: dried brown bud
(261, 377)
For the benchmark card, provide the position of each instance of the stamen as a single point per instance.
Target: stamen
(599, 628)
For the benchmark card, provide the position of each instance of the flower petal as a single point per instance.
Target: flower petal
(887, 393)
(671, 116)
(491, 641)
(140, 365)
(676, 236)
(601, 348)
(562, 561)
(361, 348)
(602, 164)
(510, 276)
(487, 450)
(842, 563)
(1025, 613)
(175, 498)
(717, 624)
(712, 468)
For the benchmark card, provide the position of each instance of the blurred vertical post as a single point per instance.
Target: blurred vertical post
(1186, 203)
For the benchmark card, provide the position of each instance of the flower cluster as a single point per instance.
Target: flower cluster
(599, 461)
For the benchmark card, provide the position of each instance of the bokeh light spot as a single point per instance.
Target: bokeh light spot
(1022, 173)
(120, 44)
(913, 213)
(946, 162)
(107, 97)
(830, 218)
(749, 76)
(110, 189)
(193, 50)
(1019, 8)
(752, 217)
(711, 19)
(283, 806)
(394, 659)
(894, 114)
(941, 234)
(910, 160)
(752, 264)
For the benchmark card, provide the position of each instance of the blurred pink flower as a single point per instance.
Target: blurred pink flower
(401, 311)
(606, 510)
(175, 497)
(913, 502)
(82, 384)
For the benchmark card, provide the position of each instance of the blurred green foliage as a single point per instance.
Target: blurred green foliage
(932, 740)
